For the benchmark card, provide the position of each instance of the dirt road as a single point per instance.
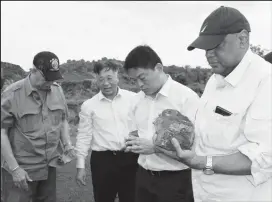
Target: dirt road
(67, 188)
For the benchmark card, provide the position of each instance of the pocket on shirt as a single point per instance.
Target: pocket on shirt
(56, 114)
(230, 126)
(30, 120)
(221, 131)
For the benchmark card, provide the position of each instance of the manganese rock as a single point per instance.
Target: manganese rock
(171, 123)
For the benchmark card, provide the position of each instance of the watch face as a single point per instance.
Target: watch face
(208, 171)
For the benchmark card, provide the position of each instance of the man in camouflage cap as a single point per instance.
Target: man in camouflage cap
(34, 129)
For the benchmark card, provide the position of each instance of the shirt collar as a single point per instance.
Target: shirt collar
(101, 96)
(28, 87)
(236, 75)
(165, 88)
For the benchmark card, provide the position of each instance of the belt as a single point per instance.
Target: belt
(163, 172)
(116, 152)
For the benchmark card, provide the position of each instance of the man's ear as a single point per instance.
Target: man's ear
(159, 67)
(244, 38)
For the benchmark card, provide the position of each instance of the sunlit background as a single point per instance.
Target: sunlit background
(92, 30)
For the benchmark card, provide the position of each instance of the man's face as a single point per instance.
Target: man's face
(107, 81)
(42, 84)
(148, 80)
(223, 59)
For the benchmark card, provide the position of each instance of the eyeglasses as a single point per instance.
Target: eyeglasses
(103, 80)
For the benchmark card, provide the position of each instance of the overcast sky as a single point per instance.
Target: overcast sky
(92, 30)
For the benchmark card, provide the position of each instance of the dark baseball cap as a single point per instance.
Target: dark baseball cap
(268, 57)
(48, 63)
(222, 21)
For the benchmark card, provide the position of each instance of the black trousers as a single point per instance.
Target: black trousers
(112, 173)
(39, 191)
(164, 186)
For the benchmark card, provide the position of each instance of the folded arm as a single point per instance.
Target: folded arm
(258, 131)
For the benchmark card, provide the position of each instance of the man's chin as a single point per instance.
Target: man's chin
(107, 92)
(146, 92)
(45, 89)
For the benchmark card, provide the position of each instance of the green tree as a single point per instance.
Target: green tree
(258, 50)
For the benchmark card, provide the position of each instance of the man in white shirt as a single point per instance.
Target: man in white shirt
(105, 122)
(159, 178)
(233, 146)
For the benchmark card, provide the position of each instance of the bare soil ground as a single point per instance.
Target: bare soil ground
(67, 188)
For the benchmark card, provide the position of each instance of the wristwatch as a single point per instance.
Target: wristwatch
(208, 170)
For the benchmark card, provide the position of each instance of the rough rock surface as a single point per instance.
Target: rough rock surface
(171, 123)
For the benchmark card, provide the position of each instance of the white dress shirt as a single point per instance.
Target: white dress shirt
(172, 95)
(246, 93)
(104, 124)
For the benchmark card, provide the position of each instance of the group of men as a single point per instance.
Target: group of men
(231, 159)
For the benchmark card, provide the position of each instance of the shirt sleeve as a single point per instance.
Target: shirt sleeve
(66, 111)
(7, 117)
(84, 136)
(258, 132)
(190, 106)
(132, 121)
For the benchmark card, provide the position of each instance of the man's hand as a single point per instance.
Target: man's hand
(20, 178)
(185, 156)
(69, 151)
(139, 145)
(81, 176)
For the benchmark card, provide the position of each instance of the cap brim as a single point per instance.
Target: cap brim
(53, 75)
(206, 42)
(268, 57)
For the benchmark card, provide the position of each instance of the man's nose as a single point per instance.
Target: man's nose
(106, 83)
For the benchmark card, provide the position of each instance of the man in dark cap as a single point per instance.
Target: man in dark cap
(232, 156)
(34, 133)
